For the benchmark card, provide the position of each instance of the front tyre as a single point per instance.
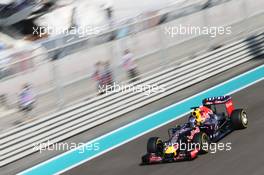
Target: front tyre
(155, 145)
(239, 119)
(201, 141)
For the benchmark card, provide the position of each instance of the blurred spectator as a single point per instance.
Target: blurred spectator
(26, 99)
(130, 65)
(103, 76)
(109, 13)
(108, 8)
(107, 75)
(97, 76)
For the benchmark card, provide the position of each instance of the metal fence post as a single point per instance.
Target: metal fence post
(207, 24)
(244, 9)
(163, 46)
(58, 85)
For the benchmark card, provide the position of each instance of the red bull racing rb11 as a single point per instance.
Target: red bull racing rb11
(207, 124)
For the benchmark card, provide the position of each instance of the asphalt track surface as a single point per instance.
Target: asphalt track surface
(245, 157)
(130, 158)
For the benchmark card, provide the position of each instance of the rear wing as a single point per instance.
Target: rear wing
(227, 100)
(216, 100)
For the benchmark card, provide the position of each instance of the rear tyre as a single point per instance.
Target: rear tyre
(201, 141)
(155, 145)
(239, 119)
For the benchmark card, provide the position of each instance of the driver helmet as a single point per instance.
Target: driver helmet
(196, 113)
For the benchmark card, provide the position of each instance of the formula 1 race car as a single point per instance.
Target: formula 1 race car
(171, 150)
(206, 124)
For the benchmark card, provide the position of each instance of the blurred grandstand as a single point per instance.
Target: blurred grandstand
(27, 57)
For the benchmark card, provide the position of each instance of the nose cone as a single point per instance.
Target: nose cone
(170, 150)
